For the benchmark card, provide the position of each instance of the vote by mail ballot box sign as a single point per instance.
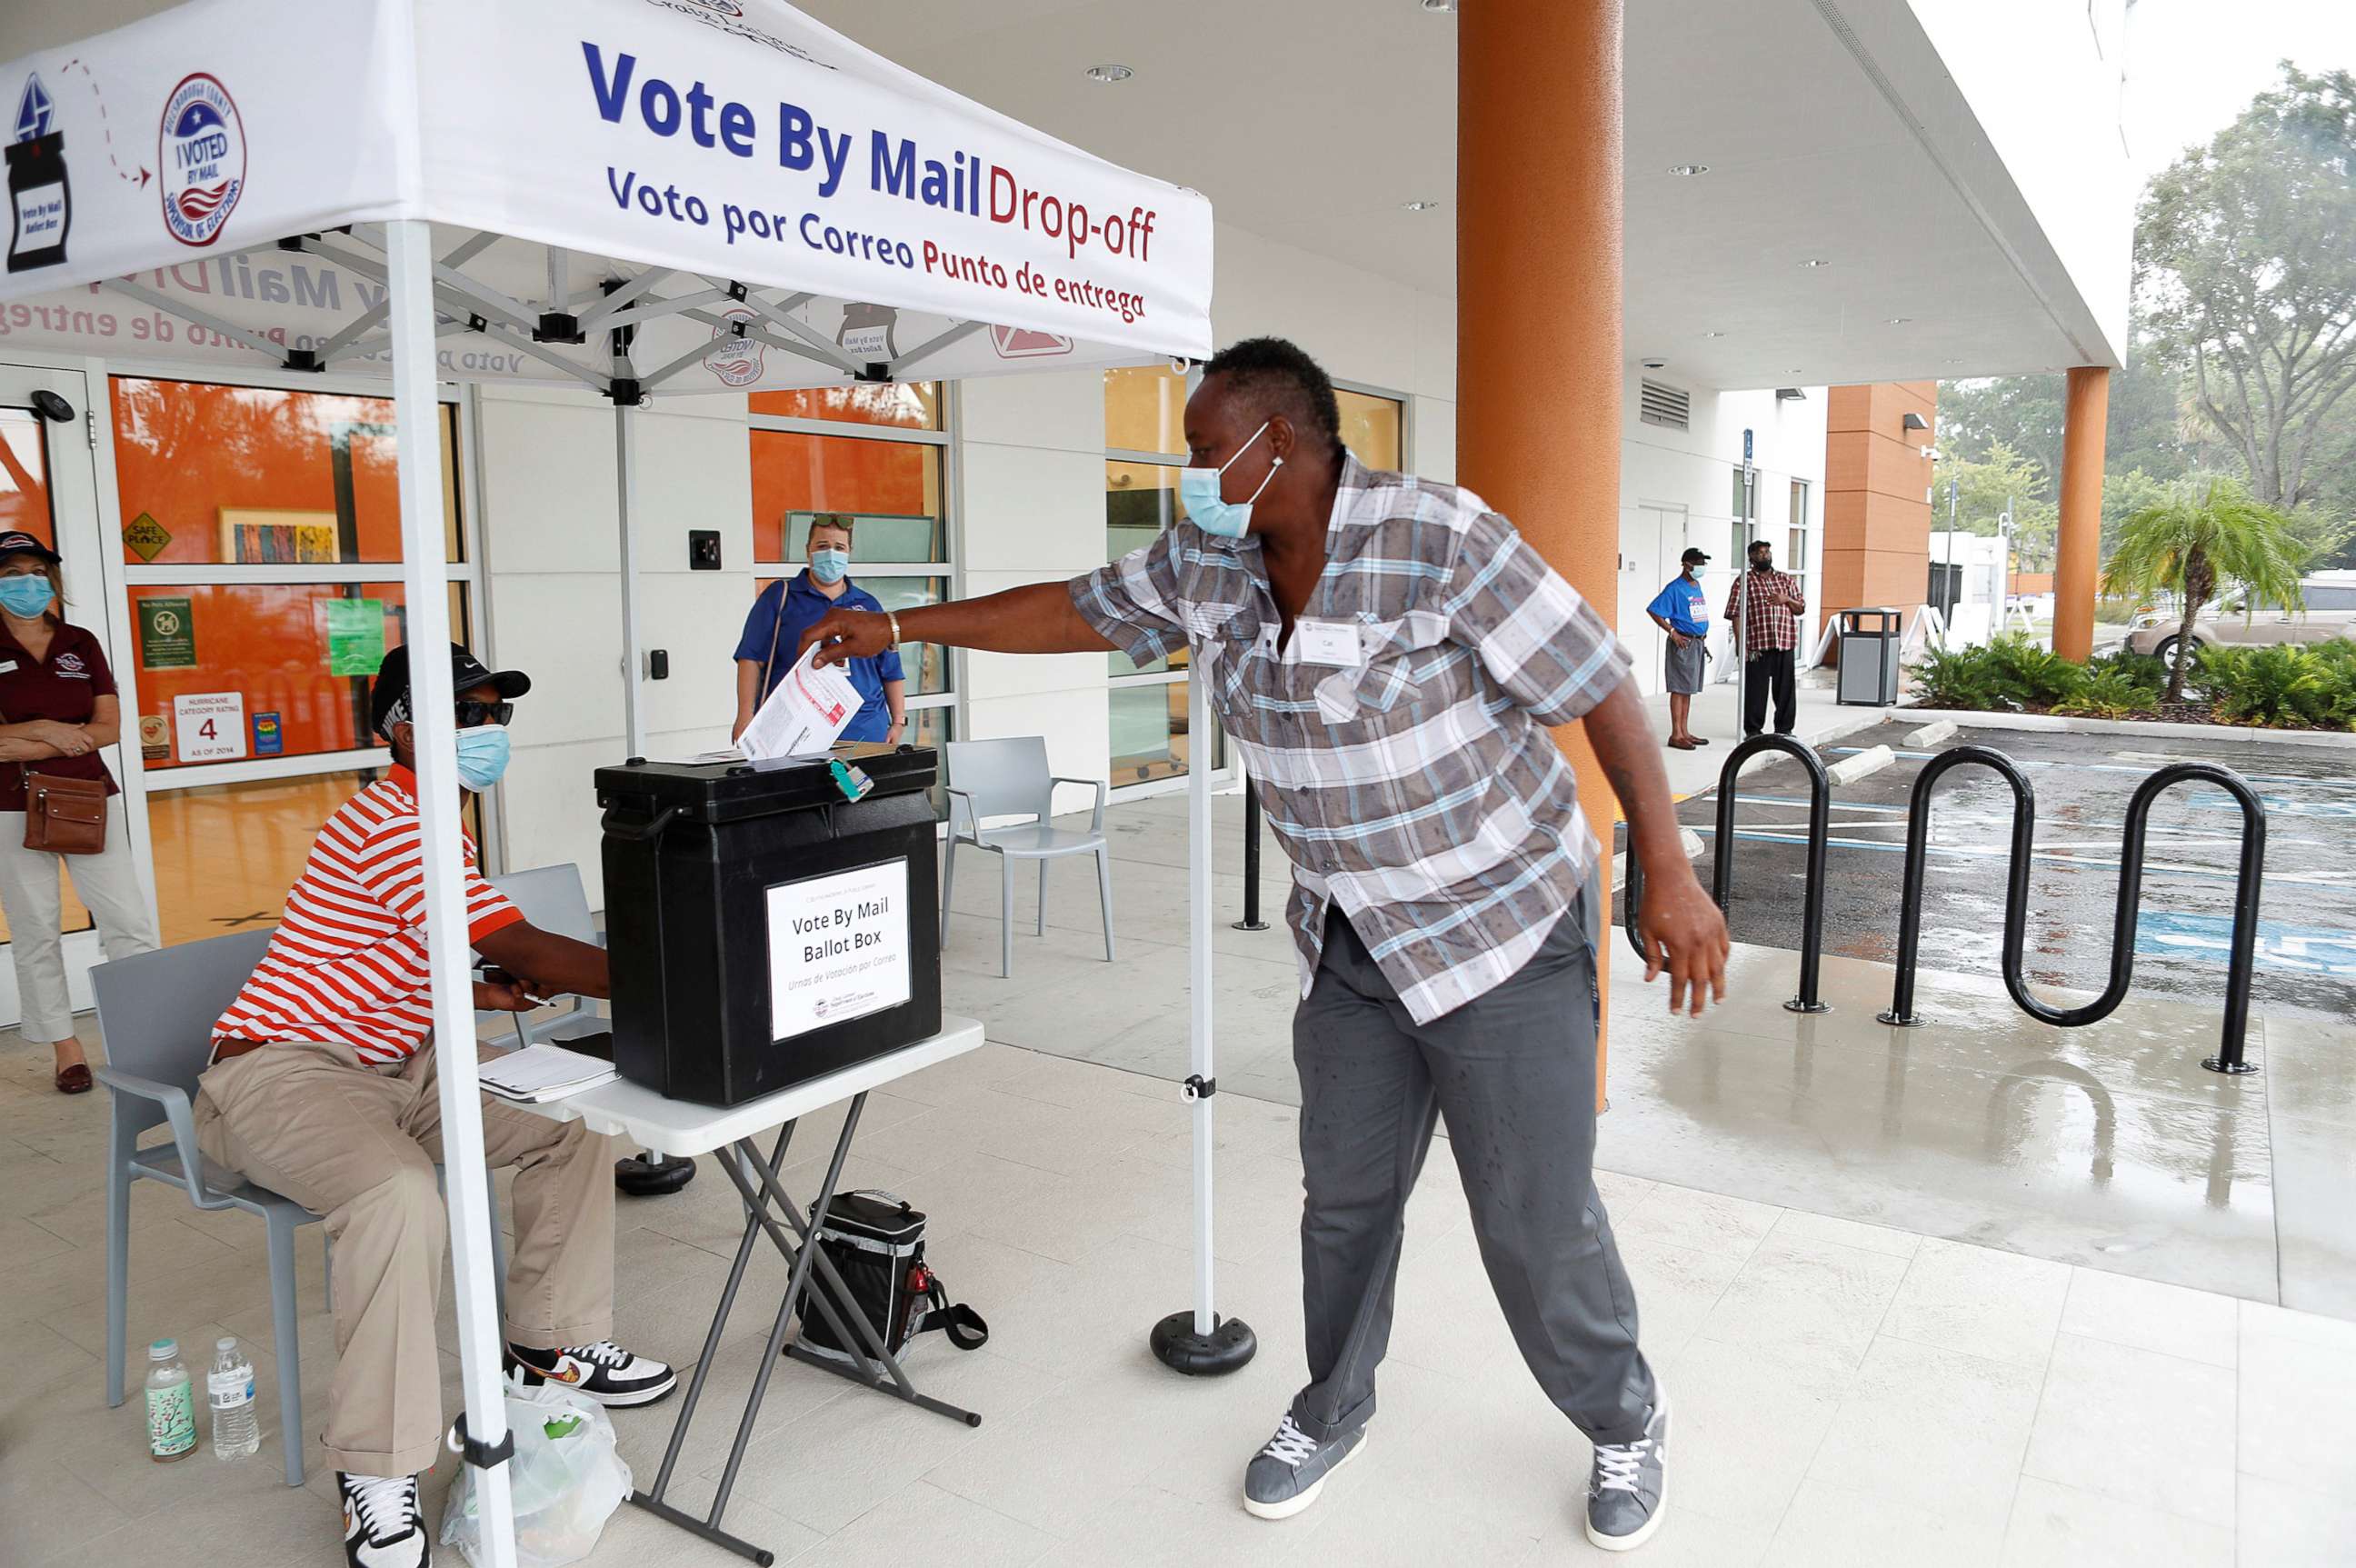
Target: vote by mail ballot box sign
(838, 947)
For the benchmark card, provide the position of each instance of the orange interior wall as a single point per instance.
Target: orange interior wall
(793, 472)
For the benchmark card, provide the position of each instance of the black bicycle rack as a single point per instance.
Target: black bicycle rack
(1721, 878)
(2246, 885)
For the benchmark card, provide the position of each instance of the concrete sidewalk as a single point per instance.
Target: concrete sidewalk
(1718, 718)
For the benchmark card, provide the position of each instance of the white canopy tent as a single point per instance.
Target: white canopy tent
(633, 196)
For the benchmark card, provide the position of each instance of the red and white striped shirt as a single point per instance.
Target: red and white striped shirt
(348, 964)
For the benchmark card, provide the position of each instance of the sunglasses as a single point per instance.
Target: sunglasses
(472, 714)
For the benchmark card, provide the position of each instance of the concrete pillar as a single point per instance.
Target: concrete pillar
(2078, 552)
(1538, 363)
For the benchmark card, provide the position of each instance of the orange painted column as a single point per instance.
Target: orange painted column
(1538, 363)
(2078, 550)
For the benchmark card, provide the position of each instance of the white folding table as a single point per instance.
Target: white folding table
(679, 1127)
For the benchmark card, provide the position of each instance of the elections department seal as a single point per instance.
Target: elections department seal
(736, 360)
(200, 150)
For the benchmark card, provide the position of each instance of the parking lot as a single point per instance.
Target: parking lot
(2306, 950)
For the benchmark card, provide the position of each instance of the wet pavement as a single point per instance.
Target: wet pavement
(2081, 784)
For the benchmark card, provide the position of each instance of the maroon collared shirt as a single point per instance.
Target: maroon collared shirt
(65, 686)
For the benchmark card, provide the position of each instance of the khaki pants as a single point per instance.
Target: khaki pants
(106, 882)
(357, 1145)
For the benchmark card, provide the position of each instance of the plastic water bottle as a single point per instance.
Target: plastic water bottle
(171, 1405)
(230, 1385)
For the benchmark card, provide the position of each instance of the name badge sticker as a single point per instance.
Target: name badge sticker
(7, 666)
(1328, 642)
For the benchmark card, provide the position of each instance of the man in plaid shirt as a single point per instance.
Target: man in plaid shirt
(1388, 654)
(1764, 608)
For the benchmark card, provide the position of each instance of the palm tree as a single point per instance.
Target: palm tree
(2209, 530)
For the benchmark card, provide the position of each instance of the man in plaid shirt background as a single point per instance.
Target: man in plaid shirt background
(1764, 608)
(1388, 655)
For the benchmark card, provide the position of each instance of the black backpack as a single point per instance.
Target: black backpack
(876, 1241)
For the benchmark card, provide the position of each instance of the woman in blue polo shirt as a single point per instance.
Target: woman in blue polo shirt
(772, 633)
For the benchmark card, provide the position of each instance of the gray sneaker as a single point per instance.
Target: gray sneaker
(1286, 1477)
(1629, 1487)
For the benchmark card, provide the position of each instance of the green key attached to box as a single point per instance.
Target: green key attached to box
(852, 781)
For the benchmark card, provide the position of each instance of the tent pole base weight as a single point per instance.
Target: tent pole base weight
(1227, 1348)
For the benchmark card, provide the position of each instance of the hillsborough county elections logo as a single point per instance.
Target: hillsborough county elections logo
(200, 149)
(1022, 343)
(736, 360)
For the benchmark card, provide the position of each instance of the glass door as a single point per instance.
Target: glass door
(48, 487)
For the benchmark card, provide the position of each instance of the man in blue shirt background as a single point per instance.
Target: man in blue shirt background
(1681, 610)
(773, 632)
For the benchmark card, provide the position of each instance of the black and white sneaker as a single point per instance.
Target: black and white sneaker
(604, 1371)
(383, 1525)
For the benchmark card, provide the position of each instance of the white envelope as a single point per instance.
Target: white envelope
(807, 711)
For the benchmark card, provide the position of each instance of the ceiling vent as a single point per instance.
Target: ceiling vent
(1666, 406)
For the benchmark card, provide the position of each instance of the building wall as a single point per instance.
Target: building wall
(1878, 495)
(1677, 490)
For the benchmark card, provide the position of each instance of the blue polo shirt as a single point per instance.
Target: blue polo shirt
(1684, 605)
(803, 605)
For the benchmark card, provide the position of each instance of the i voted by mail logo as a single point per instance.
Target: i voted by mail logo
(200, 147)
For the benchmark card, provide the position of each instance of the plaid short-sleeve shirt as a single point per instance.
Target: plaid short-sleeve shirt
(1398, 736)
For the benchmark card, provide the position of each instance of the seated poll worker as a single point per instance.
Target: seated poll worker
(773, 637)
(323, 1088)
(1388, 654)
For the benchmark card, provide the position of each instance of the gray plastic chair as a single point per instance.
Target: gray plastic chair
(156, 1015)
(553, 898)
(1009, 778)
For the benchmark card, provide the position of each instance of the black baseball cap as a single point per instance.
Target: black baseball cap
(16, 542)
(466, 673)
(1693, 557)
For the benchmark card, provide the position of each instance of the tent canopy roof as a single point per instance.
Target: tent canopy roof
(750, 198)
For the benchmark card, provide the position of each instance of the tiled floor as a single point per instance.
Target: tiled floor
(2107, 1145)
(1844, 1393)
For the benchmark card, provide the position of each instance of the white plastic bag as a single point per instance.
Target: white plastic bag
(566, 1478)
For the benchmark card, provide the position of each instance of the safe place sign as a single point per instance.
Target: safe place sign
(837, 948)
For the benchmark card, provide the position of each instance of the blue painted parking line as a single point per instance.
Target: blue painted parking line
(2113, 768)
(2299, 950)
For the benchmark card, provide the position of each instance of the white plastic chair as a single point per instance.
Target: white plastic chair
(1009, 778)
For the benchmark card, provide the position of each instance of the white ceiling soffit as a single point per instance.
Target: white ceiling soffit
(1312, 122)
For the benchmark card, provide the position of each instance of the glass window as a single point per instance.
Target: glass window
(1140, 501)
(301, 655)
(1150, 739)
(905, 406)
(226, 853)
(933, 728)
(253, 475)
(897, 484)
(1374, 428)
(1145, 409)
(25, 477)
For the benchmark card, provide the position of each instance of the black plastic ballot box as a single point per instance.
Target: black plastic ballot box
(764, 929)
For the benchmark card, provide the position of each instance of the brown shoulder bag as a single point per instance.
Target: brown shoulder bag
(63, 816)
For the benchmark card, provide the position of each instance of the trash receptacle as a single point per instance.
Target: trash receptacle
(764, 928)
(1870, 641)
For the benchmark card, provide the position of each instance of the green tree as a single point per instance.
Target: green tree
(2124, 495)
(2208, 531)
(2246, 268)
(1985, 487)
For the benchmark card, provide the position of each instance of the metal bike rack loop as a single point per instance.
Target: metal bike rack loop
(1721, 877)
(2241, 964)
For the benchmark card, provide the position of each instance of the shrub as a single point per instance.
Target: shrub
(2284, 686)
(1961, 679)
(2136, 669)
(2115, 695)
(2032, 676)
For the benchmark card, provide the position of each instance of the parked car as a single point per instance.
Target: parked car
(2156, 633)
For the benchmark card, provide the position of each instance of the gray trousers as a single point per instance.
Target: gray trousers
(1514, 1072)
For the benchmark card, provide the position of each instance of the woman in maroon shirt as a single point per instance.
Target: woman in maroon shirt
(58, 710)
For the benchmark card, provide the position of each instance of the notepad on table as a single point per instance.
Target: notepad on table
(538, 1073)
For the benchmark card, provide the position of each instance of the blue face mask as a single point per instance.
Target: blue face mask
(482, 755)
(1209, 510)
(830, 567)
(26, 597)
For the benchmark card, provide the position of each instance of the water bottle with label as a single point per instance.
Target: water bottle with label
(171, 1405)
(236, 1434)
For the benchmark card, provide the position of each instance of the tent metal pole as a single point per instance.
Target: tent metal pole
(433, 705)
(1198, 970)
(625, 497)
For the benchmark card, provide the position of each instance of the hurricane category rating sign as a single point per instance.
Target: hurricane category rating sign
(210, 725)
(837, 948)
